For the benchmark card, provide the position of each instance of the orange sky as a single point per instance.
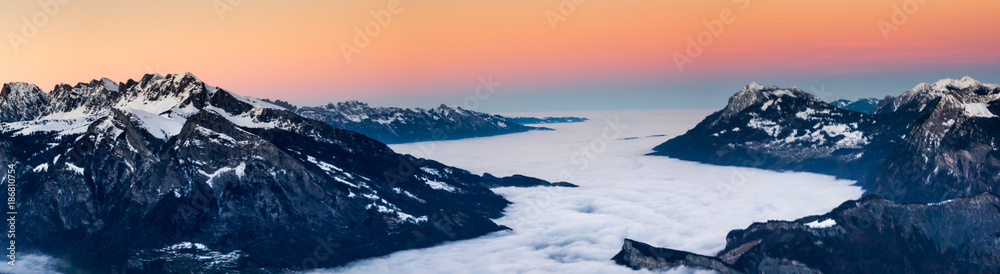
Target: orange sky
(292, 49)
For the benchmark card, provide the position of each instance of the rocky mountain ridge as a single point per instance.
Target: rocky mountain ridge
(114, 175)
(401, 125)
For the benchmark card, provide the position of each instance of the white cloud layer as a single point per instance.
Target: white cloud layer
(29, 264)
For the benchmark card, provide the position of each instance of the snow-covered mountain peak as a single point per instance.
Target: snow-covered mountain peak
(109, 84)
(156, 103)
(351, 104)
(21, 101)
(448, 110)
(755, 93)
(177, 78)
(964, 83)
(918, 98)
(773, 91)
(948, 84)
(18, 89)
(754, 86)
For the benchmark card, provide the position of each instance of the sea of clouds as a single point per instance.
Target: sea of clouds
(623, 194)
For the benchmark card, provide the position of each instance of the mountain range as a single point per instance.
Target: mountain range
(932, 143)
(394, 125)
(927, 159)
(400, 125)
(137, 176)
(547, 120)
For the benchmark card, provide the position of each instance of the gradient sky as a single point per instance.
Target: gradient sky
(604, 55)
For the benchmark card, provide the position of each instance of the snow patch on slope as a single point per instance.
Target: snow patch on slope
(257, 103)
(978, 110)
(439, 185)
(768, 126)
(239, 171)
(247, 119)
(74, 168)
(824, 224)
(60, 126)
(160, 126)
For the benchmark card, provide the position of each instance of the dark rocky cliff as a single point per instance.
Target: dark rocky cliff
(871, 235)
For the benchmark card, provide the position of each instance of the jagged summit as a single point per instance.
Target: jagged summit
(109, 84)
(18, 89)
(753, 86)
(21, 101)
(957, 84)
(767, 97)
(158, 104)
(187, 74)
(349, 103)
(948, 84)
(774, 91)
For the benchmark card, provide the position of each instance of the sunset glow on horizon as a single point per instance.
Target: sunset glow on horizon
(437, 50)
